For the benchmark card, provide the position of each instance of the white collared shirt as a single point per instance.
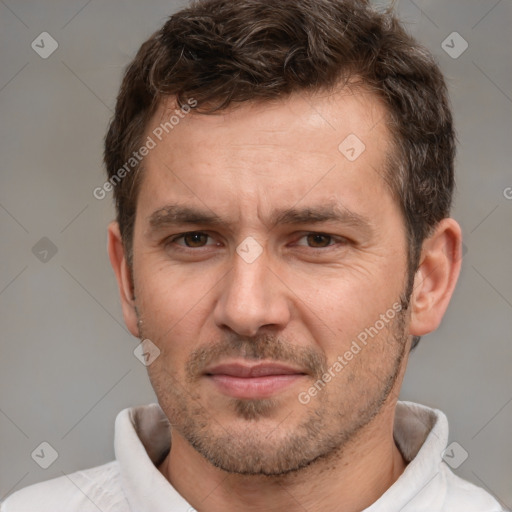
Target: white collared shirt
(133, 483)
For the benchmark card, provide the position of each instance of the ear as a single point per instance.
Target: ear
(436, 277)
(123, 276)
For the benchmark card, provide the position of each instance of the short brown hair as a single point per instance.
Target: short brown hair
(223, 52)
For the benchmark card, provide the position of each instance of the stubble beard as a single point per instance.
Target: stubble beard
(331, 422)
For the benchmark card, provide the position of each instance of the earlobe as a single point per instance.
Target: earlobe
(436, 277)
(123, 275)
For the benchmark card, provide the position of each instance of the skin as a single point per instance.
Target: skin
(302, 301)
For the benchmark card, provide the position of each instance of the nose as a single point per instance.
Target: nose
(252, 297)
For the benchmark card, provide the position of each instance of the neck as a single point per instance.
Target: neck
(347, 482)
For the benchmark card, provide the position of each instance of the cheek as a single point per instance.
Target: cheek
(168, 293)
(338, 309)
(173, 310)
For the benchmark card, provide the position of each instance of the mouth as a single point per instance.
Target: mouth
(261, 380)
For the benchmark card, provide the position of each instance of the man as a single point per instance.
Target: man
(283, 174)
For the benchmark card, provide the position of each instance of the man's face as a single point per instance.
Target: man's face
(264, 255)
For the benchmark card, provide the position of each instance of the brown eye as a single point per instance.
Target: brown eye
(318, 240)
(195, 239)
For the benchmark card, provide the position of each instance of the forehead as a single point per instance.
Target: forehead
(302, 113)
(317, 145)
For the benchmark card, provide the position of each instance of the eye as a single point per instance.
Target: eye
(317, 240)
(192, 240)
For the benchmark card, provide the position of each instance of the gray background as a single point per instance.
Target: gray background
(66, 361)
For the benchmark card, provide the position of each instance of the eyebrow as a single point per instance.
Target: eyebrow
(175, 214)
(325, 213)
(172, 215)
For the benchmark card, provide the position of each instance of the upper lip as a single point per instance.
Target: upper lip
(255, 370)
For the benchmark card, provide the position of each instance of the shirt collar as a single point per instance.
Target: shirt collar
(142, 438)
(142, 435)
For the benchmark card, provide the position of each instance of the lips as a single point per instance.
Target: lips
(257, 381)
(247, 371)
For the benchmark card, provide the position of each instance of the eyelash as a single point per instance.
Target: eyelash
(171, 240)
